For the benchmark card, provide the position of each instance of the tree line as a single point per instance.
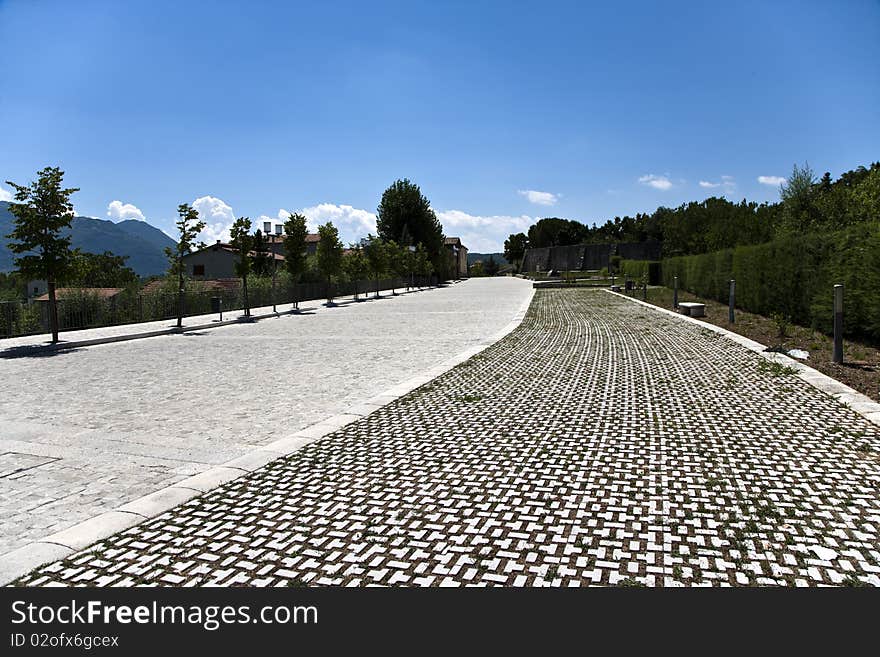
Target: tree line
(807, 205)
(409, 242)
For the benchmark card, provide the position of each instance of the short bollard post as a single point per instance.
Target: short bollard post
(675, 292)
(730, 316)
(838, 324)
(644, 291)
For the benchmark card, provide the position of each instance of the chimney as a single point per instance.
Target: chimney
(278, 228)
(267, 227)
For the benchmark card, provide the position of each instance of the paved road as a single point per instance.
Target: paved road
(85, 431)
(600, 443)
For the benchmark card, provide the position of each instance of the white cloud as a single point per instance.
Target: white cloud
(657, 182)
(539, 198)
(218, 217)
(727, 184)
(775, 181)
(353, 223)
(482, 234)
(5, 194)
(119, 211)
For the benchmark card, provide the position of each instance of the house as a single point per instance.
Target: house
(275, 239)
(216, 285)
(458, 256)
(217, 261)
(61, 293)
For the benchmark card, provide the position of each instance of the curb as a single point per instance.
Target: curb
(62, 544)
(852, 399)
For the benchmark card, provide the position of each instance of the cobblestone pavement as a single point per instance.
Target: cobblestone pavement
(85, 431)
(600, 443)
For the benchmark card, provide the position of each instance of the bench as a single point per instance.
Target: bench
(692, 309)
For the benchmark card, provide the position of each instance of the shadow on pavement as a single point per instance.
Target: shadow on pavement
(37, 351)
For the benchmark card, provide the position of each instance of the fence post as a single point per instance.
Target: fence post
(730, 316)
(838, 324)
(675, 292)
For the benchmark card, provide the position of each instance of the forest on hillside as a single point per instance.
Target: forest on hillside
(807, 205)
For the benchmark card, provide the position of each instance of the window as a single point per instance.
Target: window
(198, 270)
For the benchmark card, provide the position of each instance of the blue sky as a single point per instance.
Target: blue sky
(502, 112)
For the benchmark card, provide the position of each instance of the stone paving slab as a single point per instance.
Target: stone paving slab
(601, 443)
(87, 431)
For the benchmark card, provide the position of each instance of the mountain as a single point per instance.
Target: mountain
(142, 243)
(473, 257)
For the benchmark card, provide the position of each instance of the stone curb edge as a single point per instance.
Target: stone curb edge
(854, 400)
(62, 544)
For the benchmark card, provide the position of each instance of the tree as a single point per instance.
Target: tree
(477, 269)
(100, 270)
(242, 242)
(515, 249)
(492, 266)
(329, 255)
(262, 264)
(42, 210)
(405, 216)
(355, 265)
(798, 211)
(423, 264)
(397, 261)
(188, 228)
(295, 232)
(377, 258)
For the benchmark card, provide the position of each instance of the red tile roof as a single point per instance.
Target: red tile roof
(102, 292)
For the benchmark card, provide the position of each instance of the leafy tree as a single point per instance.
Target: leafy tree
(12, 286)
(295, 232)
(355, 265)
(377, 258)
(188, 228)
(515, 248)
(100, 270)
(492, 266)
(553, 231)
(405, 216)
(397, 261)
(243, 242)
(329, 255)
(262, 264)
(477, 270)
(423, 265)
(42, 210)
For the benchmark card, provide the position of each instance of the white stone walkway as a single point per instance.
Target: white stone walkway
(86, 430)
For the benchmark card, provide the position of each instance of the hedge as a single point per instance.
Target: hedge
(639, 269)
(794, 277)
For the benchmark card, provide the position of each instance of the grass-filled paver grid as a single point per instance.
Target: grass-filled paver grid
(601, 443)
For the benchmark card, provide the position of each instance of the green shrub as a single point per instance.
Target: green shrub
(793, 277)
(641, 270)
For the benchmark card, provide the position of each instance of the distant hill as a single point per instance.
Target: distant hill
(473, 257)
(142, 243)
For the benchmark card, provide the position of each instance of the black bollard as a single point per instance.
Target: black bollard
(730, 316)
(675, 292)
(838, 324)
